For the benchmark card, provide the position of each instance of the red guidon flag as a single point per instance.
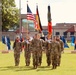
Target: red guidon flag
(49, 22)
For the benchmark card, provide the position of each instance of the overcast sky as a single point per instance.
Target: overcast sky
(61, 10)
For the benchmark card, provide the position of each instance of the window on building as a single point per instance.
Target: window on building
(57, 33)
(28, 25)
(65, 34)
(31, 27)
(45, 32)
(71, 33)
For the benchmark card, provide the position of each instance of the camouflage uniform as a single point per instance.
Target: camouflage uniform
(36, 47)
(17, 50)
(48, 55)
(27, 52)
(40, 52)
(54, 49)
(62, 48)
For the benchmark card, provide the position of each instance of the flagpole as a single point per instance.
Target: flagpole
(38, 20)
(27, 28)
(20, 17)
(27, 22)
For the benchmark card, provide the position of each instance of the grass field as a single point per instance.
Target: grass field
(68, 65)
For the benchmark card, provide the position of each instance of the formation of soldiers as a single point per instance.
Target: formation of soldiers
(53, 48)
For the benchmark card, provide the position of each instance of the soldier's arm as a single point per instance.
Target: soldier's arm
(62, 46)
(14, 44)
(25, 44)
(49, 47)
(45, 44)
(21, 44)
(31, 45)
(59, 47)
(42, 44)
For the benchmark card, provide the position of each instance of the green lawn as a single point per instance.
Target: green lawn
(68, 65)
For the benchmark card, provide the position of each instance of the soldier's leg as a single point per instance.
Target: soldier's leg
(53, 64)
(26, 61)
(37, 59)
(34, 59)
(17, 59)
(59, 60)
(40, 59)
(56, 61)
(48, 59)
(28, 58)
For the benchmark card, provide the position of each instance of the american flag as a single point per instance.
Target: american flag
(31, 16)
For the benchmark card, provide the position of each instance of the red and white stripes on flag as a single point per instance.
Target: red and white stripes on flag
(31, 16)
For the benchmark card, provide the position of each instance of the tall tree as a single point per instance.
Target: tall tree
(10, 15)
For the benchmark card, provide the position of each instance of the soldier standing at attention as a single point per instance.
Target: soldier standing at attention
(54, 49)
(61, 48)
(36, 46)
(17, 50)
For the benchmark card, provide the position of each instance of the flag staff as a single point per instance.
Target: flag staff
(38, 21)
(27, 22)
(20, 28)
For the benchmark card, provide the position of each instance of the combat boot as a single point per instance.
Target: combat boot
(48, 64)
(55, 67)
(58, 64)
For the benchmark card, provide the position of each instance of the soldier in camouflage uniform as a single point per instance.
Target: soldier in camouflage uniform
(40, 51)
(17, 50)
(54, 49)
(27, 51)
(48, 55)
(61, 47)
(36, 47)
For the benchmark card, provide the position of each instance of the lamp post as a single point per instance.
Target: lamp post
(20, 28)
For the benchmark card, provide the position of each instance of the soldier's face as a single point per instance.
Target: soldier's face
(54, 38)
(57, 38)
(38, 37)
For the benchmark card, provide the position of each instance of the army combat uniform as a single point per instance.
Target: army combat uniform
(36, 47)
(61, 49)
(27, 53)
(17, 50)
(54, 49)
(48, 55)
(40, 52)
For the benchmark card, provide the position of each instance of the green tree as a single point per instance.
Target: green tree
(10, 15)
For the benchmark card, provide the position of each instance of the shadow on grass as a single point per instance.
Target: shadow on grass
(24, 68)
(44, 68)
(17, 68)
